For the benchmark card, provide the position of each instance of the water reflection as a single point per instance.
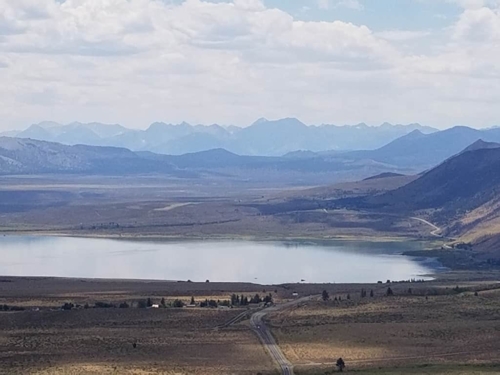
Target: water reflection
(264, 262)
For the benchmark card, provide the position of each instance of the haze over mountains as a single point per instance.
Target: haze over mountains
(423, 151)
(411, 153)
(262, 138)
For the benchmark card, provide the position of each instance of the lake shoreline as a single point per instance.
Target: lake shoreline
(228, 237)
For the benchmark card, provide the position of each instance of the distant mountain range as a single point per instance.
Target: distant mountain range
(412, 153)
(262, 138)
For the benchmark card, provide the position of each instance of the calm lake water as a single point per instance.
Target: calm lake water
(260, 262)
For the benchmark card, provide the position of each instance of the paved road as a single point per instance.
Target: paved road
(267, 339)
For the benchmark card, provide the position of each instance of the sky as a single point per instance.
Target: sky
(134, 62)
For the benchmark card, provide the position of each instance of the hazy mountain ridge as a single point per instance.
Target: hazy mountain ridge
(28, 156)
(264, 137)
(424, 151)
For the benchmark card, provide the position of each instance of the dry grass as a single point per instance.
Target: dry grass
(99, 341)
(423, 370)
(169, 341)
(393, 331)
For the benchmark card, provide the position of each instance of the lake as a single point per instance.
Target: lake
(225, 261)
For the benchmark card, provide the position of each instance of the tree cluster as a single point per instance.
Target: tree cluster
(242, 300)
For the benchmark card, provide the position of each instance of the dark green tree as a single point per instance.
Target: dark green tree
(67, 306)
(178, 303)
(340, 364)
(325, 296)
(268, 298)
(256, 299)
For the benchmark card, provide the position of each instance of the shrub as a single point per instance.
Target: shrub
(17, 308)
(67, 306)
(178, 303)
(325, 296)
(103, 305)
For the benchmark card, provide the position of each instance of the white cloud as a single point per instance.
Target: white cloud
(402, 35)
(332, 4)
(480, 25)
(474, 4)
(138, 61)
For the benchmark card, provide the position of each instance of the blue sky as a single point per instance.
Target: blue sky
(233, 61)
(378, 14)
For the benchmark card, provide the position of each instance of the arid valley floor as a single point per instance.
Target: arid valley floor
(437, 329)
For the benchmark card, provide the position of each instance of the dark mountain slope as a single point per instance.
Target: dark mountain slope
(461, 183)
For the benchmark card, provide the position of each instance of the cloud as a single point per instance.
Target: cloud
(473, 4)
(402, 35)
(139, 61)
(479, 25)
(332, 4)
